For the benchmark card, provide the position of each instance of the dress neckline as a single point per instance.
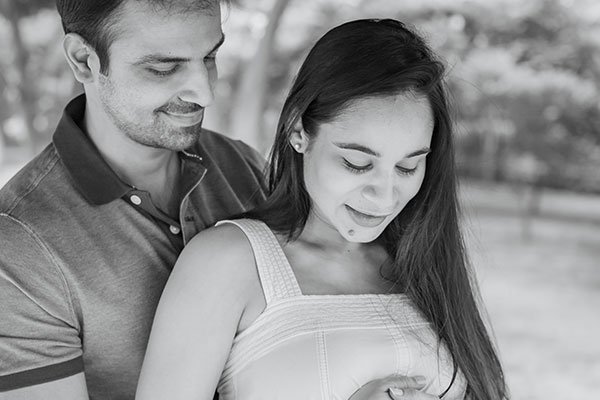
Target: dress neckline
(286, 264)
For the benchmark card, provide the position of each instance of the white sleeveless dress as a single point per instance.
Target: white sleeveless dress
(309, 347)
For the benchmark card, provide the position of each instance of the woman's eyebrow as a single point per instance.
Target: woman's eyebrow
(357, 147)
(424, 150)
(366, 150)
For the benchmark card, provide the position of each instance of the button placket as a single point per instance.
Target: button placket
(135, 199)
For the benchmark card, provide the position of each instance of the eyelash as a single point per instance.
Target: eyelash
(163, 73)
(209, 58)
(357, 169)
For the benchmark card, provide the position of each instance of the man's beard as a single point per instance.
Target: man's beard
(157, 133)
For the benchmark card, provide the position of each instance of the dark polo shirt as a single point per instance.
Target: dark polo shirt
(84, 256)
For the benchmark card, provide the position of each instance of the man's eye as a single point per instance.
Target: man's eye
(357, 169)
(163, 72)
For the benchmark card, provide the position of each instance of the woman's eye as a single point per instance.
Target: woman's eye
(406, 171)
(357, 169)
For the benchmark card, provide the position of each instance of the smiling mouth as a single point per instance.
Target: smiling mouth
(185, 119)
(364, 219)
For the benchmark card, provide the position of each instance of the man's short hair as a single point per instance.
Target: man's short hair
(95, 20)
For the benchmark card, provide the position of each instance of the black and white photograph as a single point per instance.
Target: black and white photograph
(299, 199)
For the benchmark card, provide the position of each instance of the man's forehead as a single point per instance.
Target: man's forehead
(142, 29)
(170, 7)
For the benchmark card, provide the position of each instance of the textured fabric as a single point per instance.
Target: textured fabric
(310, 347)
(82, 266)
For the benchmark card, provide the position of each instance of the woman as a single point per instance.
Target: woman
(353, 273)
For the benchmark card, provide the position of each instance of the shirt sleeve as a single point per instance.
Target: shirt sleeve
(39, 332)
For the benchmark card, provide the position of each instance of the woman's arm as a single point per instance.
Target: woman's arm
(198, 316)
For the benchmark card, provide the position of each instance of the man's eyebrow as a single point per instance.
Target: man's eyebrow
(366, 150)
(164, 59)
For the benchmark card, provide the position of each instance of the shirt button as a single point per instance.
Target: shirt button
(174, 230)
(135, 199)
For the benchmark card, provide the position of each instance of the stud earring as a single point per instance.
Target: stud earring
(297, 146)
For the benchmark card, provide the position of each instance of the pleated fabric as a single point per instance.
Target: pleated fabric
(310, 347)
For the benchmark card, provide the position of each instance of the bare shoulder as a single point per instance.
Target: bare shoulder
(222, 252)
(224, 236)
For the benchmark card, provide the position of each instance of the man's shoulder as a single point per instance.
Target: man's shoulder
(25, 186)
(220, 148)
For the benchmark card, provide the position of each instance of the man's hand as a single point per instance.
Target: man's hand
(395, 387)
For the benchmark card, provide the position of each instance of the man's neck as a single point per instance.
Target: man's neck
(146, 168)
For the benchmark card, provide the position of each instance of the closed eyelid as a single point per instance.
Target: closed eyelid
(357, 158)
(167, 66)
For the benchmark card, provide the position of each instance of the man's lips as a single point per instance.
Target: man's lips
(184, 119)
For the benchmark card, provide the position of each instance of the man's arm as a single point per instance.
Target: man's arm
(40, 346)
(71, 388)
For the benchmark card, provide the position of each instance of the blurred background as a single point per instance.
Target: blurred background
(525, 83)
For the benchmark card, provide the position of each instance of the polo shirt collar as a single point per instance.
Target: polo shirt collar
(92, 175)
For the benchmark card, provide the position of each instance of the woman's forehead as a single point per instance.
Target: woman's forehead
(382, 120)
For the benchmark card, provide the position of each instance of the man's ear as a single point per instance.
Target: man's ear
(82, 59)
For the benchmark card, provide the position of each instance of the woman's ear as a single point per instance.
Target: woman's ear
(299, 139)
(81, 58)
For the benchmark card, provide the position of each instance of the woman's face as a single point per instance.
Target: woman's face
(361, 169)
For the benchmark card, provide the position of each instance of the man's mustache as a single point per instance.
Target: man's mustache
(180, 108)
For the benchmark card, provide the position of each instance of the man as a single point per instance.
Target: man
(90, 229)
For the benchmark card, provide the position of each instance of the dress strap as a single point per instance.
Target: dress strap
(276, 276)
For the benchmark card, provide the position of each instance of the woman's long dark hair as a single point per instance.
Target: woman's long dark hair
(373, 58)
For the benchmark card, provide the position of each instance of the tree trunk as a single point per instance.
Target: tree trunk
(24, 85)
(249, 104)
(2, 145)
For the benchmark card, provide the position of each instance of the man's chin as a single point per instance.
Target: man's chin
(172, 139)
(179, 142)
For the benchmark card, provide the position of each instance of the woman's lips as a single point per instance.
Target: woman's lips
(364, 219)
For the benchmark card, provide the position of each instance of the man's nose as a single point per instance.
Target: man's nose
(199, 86)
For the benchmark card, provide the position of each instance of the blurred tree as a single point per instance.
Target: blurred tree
(13, 11)
(250, 99)
(524, 76)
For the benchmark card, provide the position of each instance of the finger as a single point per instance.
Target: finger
(409, 394)
(396, 393)
(406, 382)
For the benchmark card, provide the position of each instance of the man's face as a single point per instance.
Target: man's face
(161, 74)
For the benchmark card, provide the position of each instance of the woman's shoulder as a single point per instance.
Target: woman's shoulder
(221, 255)
(223, 258)
(224, 241)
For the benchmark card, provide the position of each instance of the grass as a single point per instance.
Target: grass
(542, 292)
